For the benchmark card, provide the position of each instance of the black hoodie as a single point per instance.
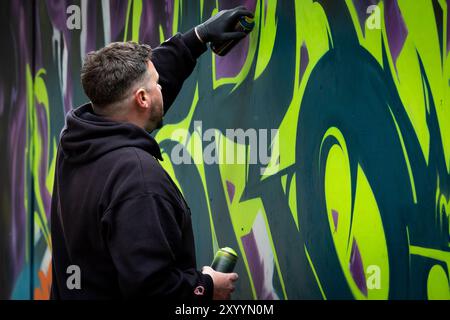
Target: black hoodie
(116, 214)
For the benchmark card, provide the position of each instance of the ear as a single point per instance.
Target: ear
(142, 98)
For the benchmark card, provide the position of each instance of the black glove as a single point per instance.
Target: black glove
(221, 26)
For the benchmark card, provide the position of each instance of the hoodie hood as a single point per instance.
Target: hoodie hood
(87, 136)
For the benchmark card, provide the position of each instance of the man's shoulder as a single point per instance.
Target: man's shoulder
(132, 172)
(132, 158)
(139, 164)
(145, 159)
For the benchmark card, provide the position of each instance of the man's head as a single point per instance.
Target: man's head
(122, 84)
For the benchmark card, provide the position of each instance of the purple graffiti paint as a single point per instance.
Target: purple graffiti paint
(361, 9)
(58, 15)
(395, 28)
(256, 265)
(149, 32)
(230, 189)
(304, 60)
(42, 126)
(231, 64)
(357, 268)
(335, 215)
(17, 138)
(168, 9)
(118, 11)
(91, 26)
(56, 10)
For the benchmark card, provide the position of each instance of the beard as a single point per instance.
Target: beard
(152, 125)
(155, 120)
(159, 124)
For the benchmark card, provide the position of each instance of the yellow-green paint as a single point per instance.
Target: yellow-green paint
(134, 9)
(444, 204)
(311, 30)
(168, 132)
(161, 34)
(51, 171)
(371, 38)
(167, 165)
(40, 91)
(437, 283)
(438, 193)
(136, 22)
(438, 286)
(338, 192)
(202, 4)
(268, 32)
(177, 12)
(283, 182)
(36, 89)
(293, 200)
(125, 33)
(362, 222)
(28, 155)
(315, 274)
(423, 40)
(367, 229)
(243, 213)
(436, 254)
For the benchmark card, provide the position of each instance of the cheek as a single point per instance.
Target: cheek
(160, 97)
(158, 106)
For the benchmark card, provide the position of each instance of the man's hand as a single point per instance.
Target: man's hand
(221, 26)
(223, 283)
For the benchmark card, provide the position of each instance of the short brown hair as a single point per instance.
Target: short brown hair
(108, 73)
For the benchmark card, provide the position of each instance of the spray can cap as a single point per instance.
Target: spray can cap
(229, 251)
(247, 23)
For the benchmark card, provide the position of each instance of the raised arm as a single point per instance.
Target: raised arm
(176, 57)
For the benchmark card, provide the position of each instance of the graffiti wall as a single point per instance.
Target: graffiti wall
(353, 200)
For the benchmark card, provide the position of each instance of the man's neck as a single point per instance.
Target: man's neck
(120, 114)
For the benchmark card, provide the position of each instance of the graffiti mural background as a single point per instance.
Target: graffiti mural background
(359, 204)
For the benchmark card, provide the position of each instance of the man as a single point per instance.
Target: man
(117, 217)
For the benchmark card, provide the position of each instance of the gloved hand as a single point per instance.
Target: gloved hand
(221, 26)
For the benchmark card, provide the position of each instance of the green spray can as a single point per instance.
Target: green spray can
(225, 260)
(245, 24)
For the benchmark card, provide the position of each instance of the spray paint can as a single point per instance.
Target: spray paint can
(225, 260)
(245, 24)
